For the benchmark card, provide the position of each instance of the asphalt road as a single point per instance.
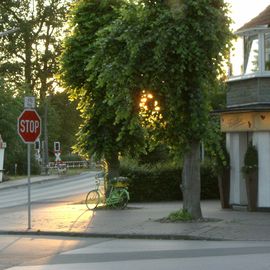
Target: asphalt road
(57, 253)
(47, 191)
(51, 253)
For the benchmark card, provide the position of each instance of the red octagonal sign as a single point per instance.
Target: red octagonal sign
(29, 126)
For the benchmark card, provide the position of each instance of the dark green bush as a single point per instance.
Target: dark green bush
(162, 183)
(209, 184)
(250, 159)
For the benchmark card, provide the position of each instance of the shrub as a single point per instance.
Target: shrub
(181, 215)
(250, 159)
(209, 184)
(155, 183)
(161, 182)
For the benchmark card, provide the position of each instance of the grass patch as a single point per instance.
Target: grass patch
(181, 215)
(16, 177)
(76, 171)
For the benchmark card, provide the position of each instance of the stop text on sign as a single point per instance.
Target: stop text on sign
(29, 126)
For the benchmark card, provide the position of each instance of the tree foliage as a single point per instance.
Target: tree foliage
(28, 64)
(10, 108)
(176, 57)
(63, 122)
(102, 133)
(28, 56)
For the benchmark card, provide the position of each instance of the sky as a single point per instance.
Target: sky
(242, 11)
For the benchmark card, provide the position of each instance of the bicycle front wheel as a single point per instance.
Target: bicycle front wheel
(92, 199)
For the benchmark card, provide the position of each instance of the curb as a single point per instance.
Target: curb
(113, 235)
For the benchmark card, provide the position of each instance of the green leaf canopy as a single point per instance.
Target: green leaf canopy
(117, 49)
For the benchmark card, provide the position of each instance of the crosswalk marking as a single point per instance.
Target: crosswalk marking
(158, 255)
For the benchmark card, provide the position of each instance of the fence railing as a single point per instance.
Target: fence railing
(71, 164)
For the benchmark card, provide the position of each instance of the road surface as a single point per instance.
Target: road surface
(36, 253)
(47, 191)
(56, 205)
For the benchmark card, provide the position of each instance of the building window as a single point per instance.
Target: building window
(251, 54)
(267, 51)
(236, 58)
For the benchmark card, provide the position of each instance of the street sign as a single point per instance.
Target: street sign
(37, 145)
(57, 156)
(56, 147)
(29, 129)
(29, 102)
(29, 126)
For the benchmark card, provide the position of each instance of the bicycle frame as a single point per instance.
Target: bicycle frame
(117, 196)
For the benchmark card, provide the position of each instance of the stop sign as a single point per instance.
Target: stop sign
(29, 125)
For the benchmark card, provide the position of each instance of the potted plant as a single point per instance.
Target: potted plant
(250, 171)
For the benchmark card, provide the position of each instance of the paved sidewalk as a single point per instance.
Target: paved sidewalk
(139, 220)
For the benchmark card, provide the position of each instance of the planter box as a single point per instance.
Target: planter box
(252, 190)
(224, 188)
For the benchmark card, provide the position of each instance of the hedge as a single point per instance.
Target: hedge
(162, 183)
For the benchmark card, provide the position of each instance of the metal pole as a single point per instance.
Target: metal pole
(29, 183)
(46, 157)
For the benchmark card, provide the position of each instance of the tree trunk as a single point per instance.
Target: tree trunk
(191, 181)
(111, 170)
(113, 165)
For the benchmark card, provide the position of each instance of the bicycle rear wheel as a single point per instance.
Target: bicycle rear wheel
(92, 199)
(121, 198)
(124, 199)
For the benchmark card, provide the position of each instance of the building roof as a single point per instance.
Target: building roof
(260, 107)
(262, 19)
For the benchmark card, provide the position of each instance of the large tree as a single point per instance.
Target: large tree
(174, 49)
(102, 133)
(28, 57)
(208, 38)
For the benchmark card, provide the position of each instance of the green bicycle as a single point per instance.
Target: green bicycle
(118, 196)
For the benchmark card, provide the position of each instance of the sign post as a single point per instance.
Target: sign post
(29, 184)
(29, 129)
(3, 145)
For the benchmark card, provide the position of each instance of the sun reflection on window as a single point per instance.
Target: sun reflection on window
(251, 54)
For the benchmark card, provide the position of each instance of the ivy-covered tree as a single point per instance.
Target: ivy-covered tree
(102, 133)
